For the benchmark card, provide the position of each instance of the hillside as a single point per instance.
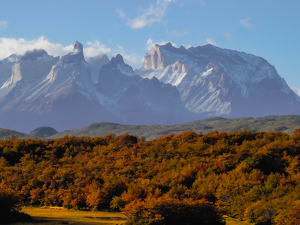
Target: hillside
(6, 133)
(286, 124)
(172, 180)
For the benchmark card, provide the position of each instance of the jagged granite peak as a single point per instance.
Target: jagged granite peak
(53, 93)
(78, 46)
(34, 55)
(118, 59)
(221, 82)
(136, 100)
(158, 57)
(75, 56)
(71, 73)
(118, 65)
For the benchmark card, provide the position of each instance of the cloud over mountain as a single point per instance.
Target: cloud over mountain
(10, 46)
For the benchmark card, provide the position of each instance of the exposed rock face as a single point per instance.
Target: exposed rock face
(175, 85)
(136, 100)
(221, 82)
(46, 91)
(26, 73)
(6, 67)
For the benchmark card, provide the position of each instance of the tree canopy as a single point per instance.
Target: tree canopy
(187, 178)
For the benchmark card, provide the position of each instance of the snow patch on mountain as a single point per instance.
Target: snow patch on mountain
(48, 91)
(296, 90)
(217, 81)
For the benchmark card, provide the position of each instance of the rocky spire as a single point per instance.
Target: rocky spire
(118, 59)
(74, 56)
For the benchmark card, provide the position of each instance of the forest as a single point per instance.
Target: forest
(189, 178)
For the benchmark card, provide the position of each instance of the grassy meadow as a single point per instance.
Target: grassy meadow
(59, 215)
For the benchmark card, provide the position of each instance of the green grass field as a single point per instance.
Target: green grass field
(59, 215)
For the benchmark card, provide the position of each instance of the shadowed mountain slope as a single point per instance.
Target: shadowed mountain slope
(270, 123)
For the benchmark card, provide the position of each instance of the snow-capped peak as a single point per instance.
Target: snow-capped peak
(117, 64)
(215, 80)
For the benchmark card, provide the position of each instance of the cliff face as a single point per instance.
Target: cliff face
(139, 101)
(48, 91)
(221, 82)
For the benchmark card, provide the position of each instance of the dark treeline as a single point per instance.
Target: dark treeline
(175, 179)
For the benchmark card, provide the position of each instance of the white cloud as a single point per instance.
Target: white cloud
(131, 59)
(120, 47)
(3, 24)
(211, 41)
(10, 46)
(150, 15)
(227, 36)
(246, 23)
(121, 13)
(95, 48)
(150, 44)
(180, 33)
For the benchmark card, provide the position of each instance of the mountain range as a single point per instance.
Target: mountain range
(175, 85)
(221, 82)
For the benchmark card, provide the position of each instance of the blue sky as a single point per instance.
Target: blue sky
(268, 28)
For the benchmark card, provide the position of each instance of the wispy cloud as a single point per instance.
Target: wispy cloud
(120, 47)
(227, 36)
(246, 23)
(179, 33)
(10, 46)
(130, 59)
(210, 41)
(150, 44)
(121, 13)
(202, 3)
(3, 24)
(95, 48)
(149, 16)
